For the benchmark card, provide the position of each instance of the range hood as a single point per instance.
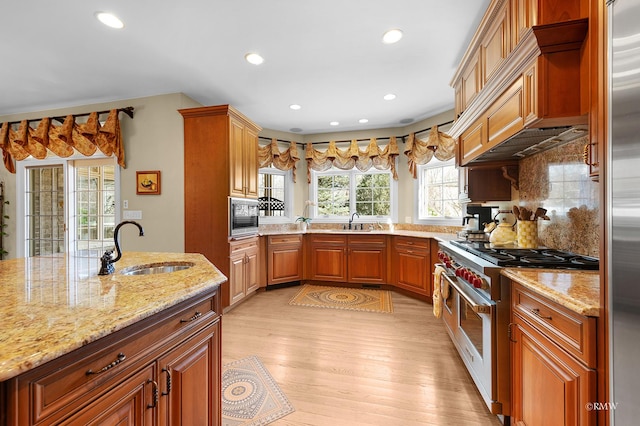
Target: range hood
(531, 141)
(534, 100)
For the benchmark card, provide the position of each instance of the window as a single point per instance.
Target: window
(338, 193)
(437, 187)
(68, 205)
(275, 195)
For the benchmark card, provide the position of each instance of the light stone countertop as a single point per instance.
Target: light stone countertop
(52, 305)
(575, 290)
(440, 236)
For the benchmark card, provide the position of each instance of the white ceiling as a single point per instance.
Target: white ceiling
(325, 55)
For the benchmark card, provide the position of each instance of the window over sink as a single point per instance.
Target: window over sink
(339, 193)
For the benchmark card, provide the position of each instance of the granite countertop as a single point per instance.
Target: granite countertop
(575, 290)
(440, 236)
(52, 305)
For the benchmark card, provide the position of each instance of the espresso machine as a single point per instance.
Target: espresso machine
(474, 222)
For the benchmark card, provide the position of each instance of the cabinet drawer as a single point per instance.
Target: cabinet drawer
(573, 332)
(412, 243)
(63, 385)
(337, 239)
(368, 240)
(275, 240)
(241, 245)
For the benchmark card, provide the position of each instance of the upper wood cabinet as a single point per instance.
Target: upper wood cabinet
(220, 160)
(525, 67)
(243, 159)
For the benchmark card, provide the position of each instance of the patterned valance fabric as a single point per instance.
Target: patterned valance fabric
(282, 160)
(62, 140)
(439, 145)
(352, 157)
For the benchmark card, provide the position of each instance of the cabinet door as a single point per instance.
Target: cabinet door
(285, 264)
(189, 381)
(132, 402)
(367, 265)
(237, 186)
(413, 270)
(496, 44)
(548, 385)
(328, 263)
(251, 163)
(237, 278)
(251, 271)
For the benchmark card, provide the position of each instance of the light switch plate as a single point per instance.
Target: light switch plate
(132, 214)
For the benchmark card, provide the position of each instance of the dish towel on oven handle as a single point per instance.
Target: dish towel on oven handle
(437, 292)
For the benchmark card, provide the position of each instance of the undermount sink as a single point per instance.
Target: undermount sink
(157, 268)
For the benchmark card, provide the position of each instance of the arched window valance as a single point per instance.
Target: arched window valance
(372, 156)
(282, 160)
(62, 140)
(439, 145)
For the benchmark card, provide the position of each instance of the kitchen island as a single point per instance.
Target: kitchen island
(75, 346)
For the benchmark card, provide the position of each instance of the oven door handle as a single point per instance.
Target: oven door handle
(475, 307)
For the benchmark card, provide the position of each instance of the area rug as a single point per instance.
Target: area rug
(355, 299)
(250, 396)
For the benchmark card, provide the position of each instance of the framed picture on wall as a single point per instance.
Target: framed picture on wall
(148, 182)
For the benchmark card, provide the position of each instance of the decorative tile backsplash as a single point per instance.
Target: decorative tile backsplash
(558, 180)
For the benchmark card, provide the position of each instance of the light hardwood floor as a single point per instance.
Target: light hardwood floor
(351, 368)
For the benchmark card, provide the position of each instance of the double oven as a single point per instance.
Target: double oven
(476, 308)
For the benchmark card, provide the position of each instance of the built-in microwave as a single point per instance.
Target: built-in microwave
(243, 216)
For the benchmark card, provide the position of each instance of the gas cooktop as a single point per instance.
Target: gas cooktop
(530, 258)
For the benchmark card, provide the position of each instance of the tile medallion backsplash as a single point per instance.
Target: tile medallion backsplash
(558, 180)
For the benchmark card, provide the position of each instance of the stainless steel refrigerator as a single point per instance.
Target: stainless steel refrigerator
(623, 210)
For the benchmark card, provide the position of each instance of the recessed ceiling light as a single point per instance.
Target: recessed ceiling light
(110, 20)
(363, 120)
(406, 120)
(389, 97)
(254, 58)
(295, 129)
(295, 107)
(392, 36)
(334, 123)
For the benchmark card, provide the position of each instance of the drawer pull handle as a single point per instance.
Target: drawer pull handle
(155, 394)
(537, 313)
(121, 357)
(510, 333)
(166, 370)
(195, 316)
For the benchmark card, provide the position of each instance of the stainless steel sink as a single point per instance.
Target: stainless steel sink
(157, 268)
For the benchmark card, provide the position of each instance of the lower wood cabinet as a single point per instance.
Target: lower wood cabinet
(348, 258)
(163, 370)
(552, 362)
(243, 269)
(411, 263)
(284, 258)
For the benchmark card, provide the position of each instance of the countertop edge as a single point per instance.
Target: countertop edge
(584, 305)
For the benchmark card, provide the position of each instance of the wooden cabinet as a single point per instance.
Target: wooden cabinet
(481, 184)
(220, 160)
(553, 358)
(165, 365)
(348, 258)
(411, 264)
(367, 259)
(243, 268)
(284, 258)
(327, 257)
(243, 159)
(189, 379)
(533, 73)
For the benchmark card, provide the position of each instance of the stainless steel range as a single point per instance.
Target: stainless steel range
(476, 311)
